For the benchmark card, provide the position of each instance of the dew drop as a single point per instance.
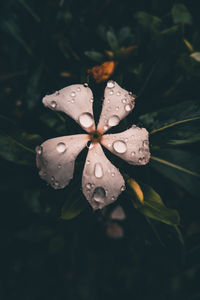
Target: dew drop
(110, 84)
(108, 101)
(117, 108)
(141, 150)
(120, 146)
(92, 100)
(52, 178)
(118, 93)
(61, 147)
(86, 120)
(111, 92)
(105, 127)
(56, 184)
(99, 195)
(109, 145)
(53, 104)
(38, 150)
(98, 170)
(124, 100)
(128, 107)
(59, 166)
(113, 121)
(88, 186)
(133, 153)
(88, 162)
(73, 94)
(78, 89)
(72, 101)
(112, 174)
(123, 188)
(140, 159)
(113, 198)
(145, 143)
(85, 85)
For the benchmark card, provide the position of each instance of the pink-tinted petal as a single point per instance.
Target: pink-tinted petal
(114, 231)
(76, 101)
(131, 145)
(101, 182)
(56, 158)
(118, 213)
(118, 103)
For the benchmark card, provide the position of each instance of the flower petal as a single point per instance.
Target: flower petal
(76, 101)
(118, 103)
(131, 145)
(56, 158)
(101, 182)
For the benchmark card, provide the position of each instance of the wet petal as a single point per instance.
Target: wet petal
(76, 101)
(118, 103)
(101, 182)
(131, 145)
(56, 158)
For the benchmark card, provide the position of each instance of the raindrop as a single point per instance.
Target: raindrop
(85, 85)
(78, 89)
(140, 159)
(117, 108)
(113, 121)
(61, 147)
(98, 170)
(118, 93)
(145, 143)
(38, 150)
(111, 92)
(52, 178)
(72, 101)
(126, 139)
(53, 104)
(123, 188)
(112, 174)
(73, 94)
(133, 153)
(88, 186)
(128, 107)
(89, 145)
(92, 100)
(110, 84)
(141, 150)
(59, 166)
(120, 146)
(109, 145)
(99, 194)
(108, 101)
(124, 100)
(57, 93)
(105, 127)
(113, 198)
(88, 162)
(86, 120)
(56, 184)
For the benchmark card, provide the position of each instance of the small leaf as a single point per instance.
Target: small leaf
(73, 206)
(124, 34)
(148, 21)
(94, 55)
(136, 189)
(179, 166)
(154, 208)
(195, 56)
(112, 40)
(180, 14)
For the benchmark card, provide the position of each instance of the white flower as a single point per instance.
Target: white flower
(101, 182)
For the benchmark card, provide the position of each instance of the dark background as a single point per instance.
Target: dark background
(44, 48)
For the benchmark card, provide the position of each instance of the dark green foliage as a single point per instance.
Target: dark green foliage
(53, 246)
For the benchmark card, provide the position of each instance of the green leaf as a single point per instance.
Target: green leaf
(179, 166)
(154, 207)
(148, 21)
(94, 55)
(180, 14)
(73, 206)
(171, 116)
(16, 147)
(195, 56)
(112, 40)
(124, 34)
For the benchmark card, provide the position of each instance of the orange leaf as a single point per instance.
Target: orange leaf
(102, 72)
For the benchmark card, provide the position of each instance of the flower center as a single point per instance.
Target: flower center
(95, 136)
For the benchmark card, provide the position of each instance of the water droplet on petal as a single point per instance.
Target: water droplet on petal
(145, 143)
(92, 100)
(73, 94)
(128, 107)
(88, 186)
(59, 166)
(99, 195)
(120, 146)
(110, 84)
(88, 162)
(105, 127)
(112, 174)
(123, 188)
(140, 159)
(38, 150)
(117, 108)
(61, 147)
(141, 150)
(78, 89)
(56, 184)
(113, 198)
(113, 121)
(111, 92)
(86, 120)
(124, 100)
(52, 178)
(118, 93)
(85, 85)
(98, 170)
(53, 104)
(108, 101)
(133, 153)
(109, 145)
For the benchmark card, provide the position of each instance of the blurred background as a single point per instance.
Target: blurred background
(53, 246)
